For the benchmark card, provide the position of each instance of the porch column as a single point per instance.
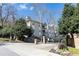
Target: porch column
(44, 41)
(35, 41)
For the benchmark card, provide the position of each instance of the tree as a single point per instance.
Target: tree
(8, 20)
(40, 15)
(44, 15)
(65, 22)
(22, 29)
(0, 9)
(77, 10)
(76, 19)
(1, 20)
(10, 14)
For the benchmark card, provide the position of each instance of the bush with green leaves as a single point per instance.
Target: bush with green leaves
(6, 31)
(21, 28)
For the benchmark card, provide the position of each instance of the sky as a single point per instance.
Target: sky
(27, 9)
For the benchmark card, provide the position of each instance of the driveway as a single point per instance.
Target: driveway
(23, 49)
(6, 52)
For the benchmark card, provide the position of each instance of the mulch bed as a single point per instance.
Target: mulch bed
(60, 53)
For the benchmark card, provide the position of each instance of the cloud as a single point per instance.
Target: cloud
(23, 6)
(31, 8)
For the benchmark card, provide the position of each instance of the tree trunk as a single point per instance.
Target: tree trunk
(67, 40)
(10, 38)
(16, 39)
(72, 40)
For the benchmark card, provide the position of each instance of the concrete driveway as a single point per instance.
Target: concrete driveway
(23, 49)
(6, 52)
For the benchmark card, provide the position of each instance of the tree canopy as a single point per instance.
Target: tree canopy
(69, 22)
(22, 29)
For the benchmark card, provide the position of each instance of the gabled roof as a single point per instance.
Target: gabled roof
(34, 21)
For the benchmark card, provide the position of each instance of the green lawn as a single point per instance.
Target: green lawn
(8, 40)
(74, 51)
(4, 39)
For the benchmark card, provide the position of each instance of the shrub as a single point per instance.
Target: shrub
(22, 29)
